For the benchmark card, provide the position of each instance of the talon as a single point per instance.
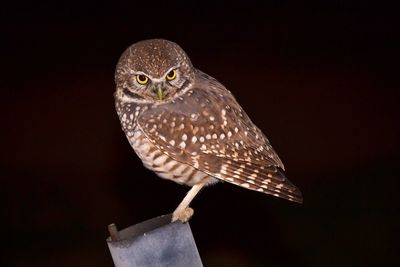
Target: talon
(182, 215)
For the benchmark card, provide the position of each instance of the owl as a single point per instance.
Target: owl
(188, 128)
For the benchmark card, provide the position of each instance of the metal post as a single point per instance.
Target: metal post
(156, 242)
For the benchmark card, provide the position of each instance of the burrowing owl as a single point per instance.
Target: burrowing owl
(187, 127)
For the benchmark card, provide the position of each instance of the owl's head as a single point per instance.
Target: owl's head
(153, 70)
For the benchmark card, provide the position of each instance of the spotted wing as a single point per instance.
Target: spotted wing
(206, 128)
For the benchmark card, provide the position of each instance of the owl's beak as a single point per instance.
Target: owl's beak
(159, 90)
(160, 93)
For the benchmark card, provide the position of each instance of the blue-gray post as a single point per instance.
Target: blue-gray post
(156, 242)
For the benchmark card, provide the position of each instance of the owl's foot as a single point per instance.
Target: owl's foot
(183, 212)
(183, 215)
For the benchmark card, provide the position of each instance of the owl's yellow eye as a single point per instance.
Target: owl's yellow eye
(142, 79)
(171, 75)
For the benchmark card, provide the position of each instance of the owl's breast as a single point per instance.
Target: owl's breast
(163, 165)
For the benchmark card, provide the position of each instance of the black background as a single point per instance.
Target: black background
(320, 80)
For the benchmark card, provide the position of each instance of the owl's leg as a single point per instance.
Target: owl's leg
(183, 212)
